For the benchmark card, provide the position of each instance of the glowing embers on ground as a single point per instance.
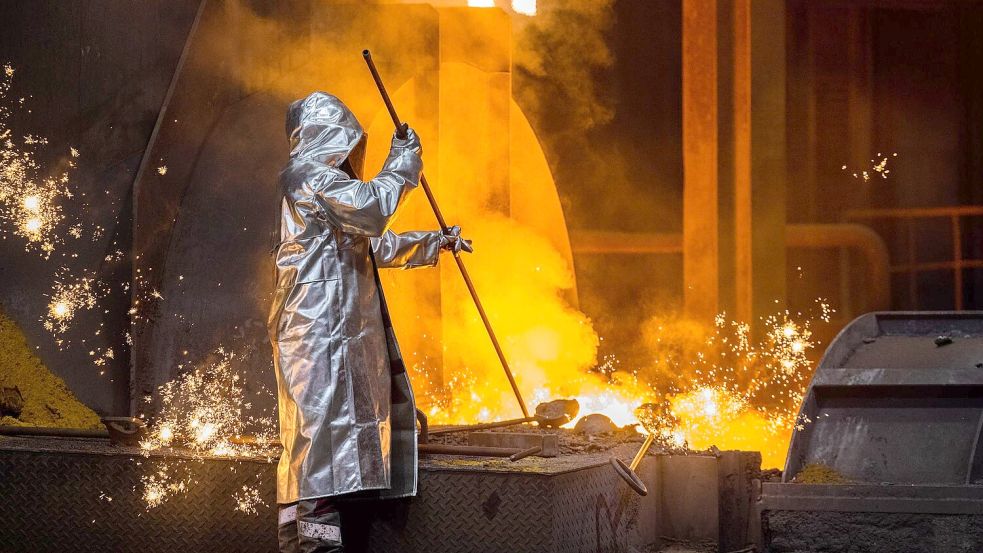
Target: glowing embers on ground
(465, 398)
(205, 413)
(718, 417)
(730, 385)
(739, 392)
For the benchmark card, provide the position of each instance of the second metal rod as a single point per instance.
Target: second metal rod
(642, 451)
(444, 227)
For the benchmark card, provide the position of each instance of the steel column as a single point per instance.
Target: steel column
(743, 231)
(700, 196)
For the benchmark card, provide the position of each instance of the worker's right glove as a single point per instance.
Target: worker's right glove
(410, 142)
(451, 240)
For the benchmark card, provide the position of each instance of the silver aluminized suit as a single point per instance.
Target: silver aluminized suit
(347, 415)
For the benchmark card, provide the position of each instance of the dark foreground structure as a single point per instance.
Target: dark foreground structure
(90, 494)
(894, 416)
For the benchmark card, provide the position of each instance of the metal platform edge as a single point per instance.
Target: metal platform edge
(872, 498)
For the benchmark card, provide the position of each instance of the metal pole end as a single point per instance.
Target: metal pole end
(366, 54)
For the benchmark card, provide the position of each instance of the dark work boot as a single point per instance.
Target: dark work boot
(318, 527)
(286, 529)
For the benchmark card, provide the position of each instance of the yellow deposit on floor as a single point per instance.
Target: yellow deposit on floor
(47, 400)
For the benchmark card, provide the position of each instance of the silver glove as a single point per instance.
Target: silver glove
(451, 240)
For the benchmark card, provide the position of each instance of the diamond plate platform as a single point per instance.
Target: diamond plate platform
(54, 496)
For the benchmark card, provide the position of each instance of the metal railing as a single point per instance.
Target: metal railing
(911, 266)
(857, 238)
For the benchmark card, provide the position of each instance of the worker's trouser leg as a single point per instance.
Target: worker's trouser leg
(310, 526)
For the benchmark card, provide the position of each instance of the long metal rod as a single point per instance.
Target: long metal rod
(480, 426)
(534, 450)
(642, 451)
(471, 450)
(444, 227)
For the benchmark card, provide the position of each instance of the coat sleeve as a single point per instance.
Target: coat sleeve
(407, 250)
(367, 208)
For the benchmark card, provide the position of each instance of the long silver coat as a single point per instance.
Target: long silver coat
(347, 415)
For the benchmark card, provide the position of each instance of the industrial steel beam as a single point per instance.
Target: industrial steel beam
(700, 211)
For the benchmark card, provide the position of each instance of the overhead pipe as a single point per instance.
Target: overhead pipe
(614, 242)
(853, 236)
(860, 238)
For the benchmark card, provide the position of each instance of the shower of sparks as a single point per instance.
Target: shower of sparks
(157, 487)
(205, 413)
(248, 500)
(205, 410)
(30, 203)
(604, 391)
(68, 297)
(825, 310)
(878, 167)
(734, 385)
(102, 357)
(34, 207)
(738, 391)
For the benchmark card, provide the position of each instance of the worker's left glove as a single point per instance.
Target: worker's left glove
(451, 240)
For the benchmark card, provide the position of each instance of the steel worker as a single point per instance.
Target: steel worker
(347, 415)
